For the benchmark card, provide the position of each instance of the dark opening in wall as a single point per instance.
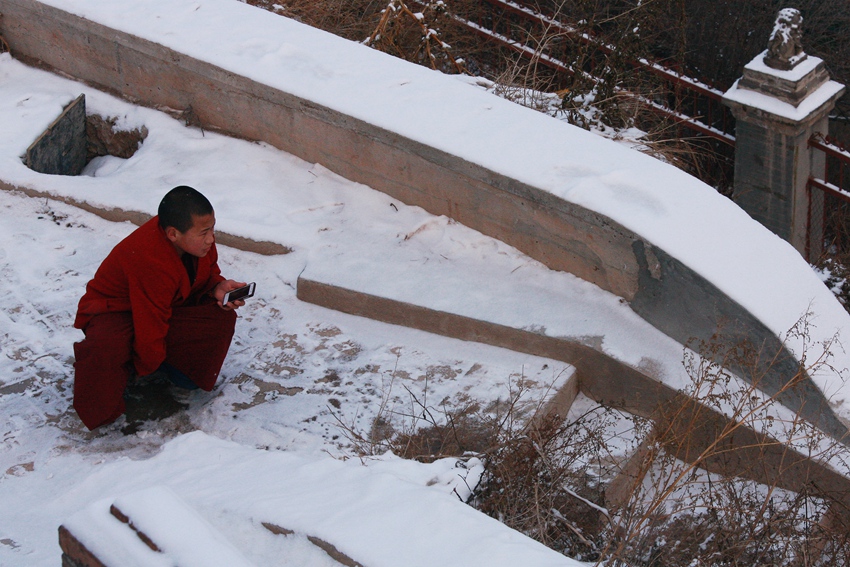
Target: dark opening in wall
(75, 139)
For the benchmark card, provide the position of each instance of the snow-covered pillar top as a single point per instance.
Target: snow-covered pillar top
(783, 97)
(784, 72)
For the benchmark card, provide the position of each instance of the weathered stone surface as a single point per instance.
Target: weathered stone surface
(792, 91)
(773, 162)
(785, 46)
(61, 149)
(665, 300)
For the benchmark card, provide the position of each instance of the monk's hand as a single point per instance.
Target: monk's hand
(222, 288)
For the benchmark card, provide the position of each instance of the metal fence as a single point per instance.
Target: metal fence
(829, 199)
(688, 102)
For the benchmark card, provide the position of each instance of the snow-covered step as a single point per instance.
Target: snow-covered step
(376, 512)
(150, 528)
(325, 546)
(508, 301)
(620, 360)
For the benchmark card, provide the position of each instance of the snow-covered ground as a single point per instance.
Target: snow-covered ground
(297, 375)
(672, 210)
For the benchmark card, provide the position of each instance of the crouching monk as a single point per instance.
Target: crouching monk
(154, 303)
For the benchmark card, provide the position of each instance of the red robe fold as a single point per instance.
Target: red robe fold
(144, 275)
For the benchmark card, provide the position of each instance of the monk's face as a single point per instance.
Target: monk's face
(196, 241)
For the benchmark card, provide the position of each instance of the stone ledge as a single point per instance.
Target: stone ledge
(149, 527)
(263, 247)
(790, 89)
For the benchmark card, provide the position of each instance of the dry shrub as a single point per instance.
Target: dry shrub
(711, 479)
(416, 35)
(418, 429)
(456, 434)
(547, 482)
(835, 265)
(744, 512)
(834, 261)
(538, 479)
(351, 19)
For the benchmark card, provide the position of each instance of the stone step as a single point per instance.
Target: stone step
(553, 321)
(148, 528)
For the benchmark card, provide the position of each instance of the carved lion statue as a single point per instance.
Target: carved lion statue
(785, 49)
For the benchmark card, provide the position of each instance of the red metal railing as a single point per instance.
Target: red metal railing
(836, 167)
(829, 196)
(691, 103)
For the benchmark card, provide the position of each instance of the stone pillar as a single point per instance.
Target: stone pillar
(783, 97)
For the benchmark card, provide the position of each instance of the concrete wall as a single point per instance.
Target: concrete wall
(559, 234)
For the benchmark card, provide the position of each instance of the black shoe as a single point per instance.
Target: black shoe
(147, 401)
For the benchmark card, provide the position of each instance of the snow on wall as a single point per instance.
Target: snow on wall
(684, 217)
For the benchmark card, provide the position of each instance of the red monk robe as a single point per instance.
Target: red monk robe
(141, 310)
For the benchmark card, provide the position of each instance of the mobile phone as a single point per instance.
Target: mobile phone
(243, 292)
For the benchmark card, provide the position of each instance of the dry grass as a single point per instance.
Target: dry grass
(679, 514)
(351, 19)
(567, 484)
(416, 36)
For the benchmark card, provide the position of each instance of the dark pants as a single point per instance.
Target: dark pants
(196, 344)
